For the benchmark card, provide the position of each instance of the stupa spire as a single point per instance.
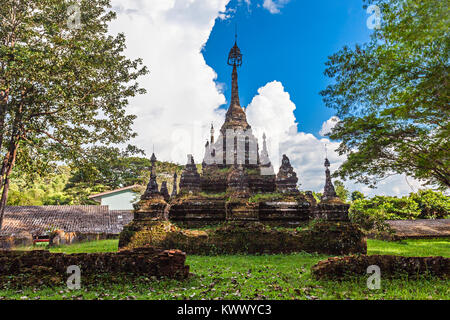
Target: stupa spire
(235, 117)
(328, 192)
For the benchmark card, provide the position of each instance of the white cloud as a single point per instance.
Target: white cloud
(274, 6)
(182, 98)
(328, 125)
(272, 111)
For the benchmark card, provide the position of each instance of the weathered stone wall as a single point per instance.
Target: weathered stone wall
(247, 237)
(22, 239)
(197, 210)
(282, 211)
(261, 183)
(331, 211)
(390, 266)
(140, 261)
(215, 181)
(201, 210)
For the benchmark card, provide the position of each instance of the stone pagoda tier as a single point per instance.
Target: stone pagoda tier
(286, 181)
(190, 178)
(237, 183)
(165, 191)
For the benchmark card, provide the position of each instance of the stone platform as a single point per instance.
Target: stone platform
(245, 237)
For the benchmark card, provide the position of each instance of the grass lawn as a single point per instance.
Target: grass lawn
(253, 277)
(411, 247)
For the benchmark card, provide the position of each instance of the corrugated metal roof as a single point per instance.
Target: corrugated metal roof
(39, 220)
(112, 191)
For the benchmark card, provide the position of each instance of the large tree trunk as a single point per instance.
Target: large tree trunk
(3, 200)
(7, 167)
(9, 159)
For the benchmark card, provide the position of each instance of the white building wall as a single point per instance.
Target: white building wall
(122, 200)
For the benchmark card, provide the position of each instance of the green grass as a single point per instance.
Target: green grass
(253, 277)
(89, 247)
(410, 247)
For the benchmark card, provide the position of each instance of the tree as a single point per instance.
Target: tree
(392, 96)
(433, 205)
(341, 191)
(357, 195)
(113, 168)
(64, 82)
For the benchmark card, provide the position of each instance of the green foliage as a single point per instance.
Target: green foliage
(387, 208)
(357, 195)
(115, 168)
(259, 197)
(62, 88)
(341, 191)
(433, 205)
(32, 189)
(317, 196)
(103, 169)
(392, 96)
(425, 204)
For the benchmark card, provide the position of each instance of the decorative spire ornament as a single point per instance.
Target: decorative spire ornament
(235, 116)
(329, 192)
(152, 186)
(174, 189)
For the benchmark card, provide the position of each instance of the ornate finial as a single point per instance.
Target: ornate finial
(327, 163)
(235, 117)
(235, 56)
(153, 159)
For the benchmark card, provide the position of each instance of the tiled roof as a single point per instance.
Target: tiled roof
(39, 220)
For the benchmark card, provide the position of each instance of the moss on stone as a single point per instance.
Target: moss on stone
(247, 237)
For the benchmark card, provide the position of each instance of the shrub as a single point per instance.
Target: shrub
(432, 205)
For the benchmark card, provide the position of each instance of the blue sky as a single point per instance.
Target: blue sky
(291, 46)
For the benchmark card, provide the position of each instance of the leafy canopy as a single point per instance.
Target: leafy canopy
(392, 96)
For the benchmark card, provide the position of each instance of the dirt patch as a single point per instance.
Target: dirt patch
(422, 228)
